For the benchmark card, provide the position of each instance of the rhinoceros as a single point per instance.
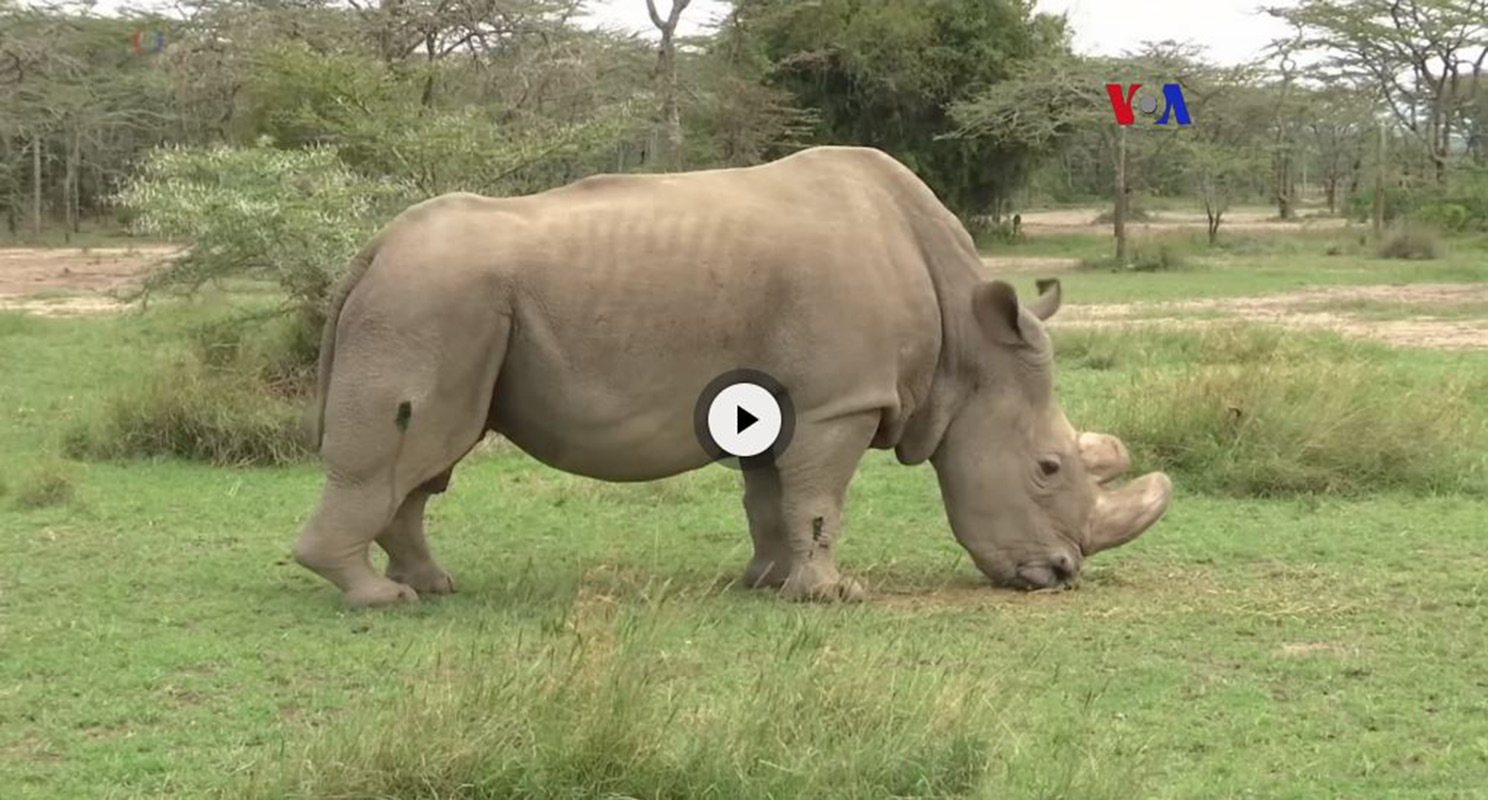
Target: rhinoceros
(581, 324)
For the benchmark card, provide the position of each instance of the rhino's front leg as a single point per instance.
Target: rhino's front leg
(813, 475)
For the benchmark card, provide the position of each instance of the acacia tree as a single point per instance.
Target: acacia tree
(1418, 55)
(1063, 98)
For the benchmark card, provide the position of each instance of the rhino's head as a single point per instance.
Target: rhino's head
(1027, 495)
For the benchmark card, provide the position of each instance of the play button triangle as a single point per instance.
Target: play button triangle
(745, 419)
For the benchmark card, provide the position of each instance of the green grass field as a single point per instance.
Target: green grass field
(156, 639)
(1246, 263)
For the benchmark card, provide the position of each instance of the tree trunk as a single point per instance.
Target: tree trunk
(1332, 195)
(1119, 219)
(69, 188)
(13, 200)
(426, 100)
(1379, 184)
(670, 122)
(36, 185)
(1284, 186)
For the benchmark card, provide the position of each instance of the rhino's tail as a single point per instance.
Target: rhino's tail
(315, 412)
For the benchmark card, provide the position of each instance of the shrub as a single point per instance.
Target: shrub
(1162, 258)
(282, 353)
(1451, 217)
(219, 415)
(1143, 257)
(291, 217)
(1257, 411)
(1461, 204)
(1411, 242)
(49, 484)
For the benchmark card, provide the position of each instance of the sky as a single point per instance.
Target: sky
(1231, 30)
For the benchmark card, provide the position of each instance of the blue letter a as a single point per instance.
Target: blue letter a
(1173, 102)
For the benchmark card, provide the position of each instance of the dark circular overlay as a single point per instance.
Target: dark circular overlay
(769, 384)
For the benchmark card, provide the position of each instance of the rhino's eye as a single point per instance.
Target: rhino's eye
(1048, 467)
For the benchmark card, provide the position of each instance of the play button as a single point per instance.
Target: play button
(744, 418)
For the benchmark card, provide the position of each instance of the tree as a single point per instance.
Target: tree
(670, 122)
(1419, 55)
(293, 217)
(885, 74)
(1063, 98)
(1338, 125)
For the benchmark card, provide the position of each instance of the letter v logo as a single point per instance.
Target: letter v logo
(1122, 105)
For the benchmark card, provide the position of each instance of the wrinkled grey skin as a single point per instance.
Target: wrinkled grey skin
(583, 322)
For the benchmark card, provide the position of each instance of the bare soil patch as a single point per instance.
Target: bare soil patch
(1002, 265)
(1082, 220)
(1307, 309)
(69, 280)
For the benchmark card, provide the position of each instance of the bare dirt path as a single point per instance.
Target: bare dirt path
(1438, 315)
(58, 281)
(1082, 220)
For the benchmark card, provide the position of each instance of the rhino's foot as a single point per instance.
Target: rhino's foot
(823, 587)
(383, 593)
(424, 579)
(763, 572)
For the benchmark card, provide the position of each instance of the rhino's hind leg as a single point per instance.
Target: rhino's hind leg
(409, 560)
(814, 473)
(335, 543)
(771, 563)
(403, 407)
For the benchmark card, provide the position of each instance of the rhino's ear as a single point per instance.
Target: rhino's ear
(1048, 300)
(995, 305)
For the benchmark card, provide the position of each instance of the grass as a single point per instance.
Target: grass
(1375, 309)
(48, 484)
(58, 236)
(158, 641)
(1244, 264)
(1254, 411)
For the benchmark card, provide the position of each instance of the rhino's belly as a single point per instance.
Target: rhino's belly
(588, 428)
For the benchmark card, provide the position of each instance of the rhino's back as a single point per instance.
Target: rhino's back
(628, 294)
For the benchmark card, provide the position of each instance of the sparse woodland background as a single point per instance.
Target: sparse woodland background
(272, 137)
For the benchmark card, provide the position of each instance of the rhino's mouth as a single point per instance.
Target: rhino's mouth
(1045, 574)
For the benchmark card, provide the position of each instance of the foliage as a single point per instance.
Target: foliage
(1414, 54)
(291, 217)
(886, 75)
(217, 415)
(1146, 256)
(371, 112)
(1459, 205)
(1411, 241)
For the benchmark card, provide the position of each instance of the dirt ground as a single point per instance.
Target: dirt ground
(67, 280)
(1082, 220)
